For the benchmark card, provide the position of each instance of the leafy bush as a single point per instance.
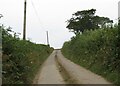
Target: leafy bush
(96, 50)
(21, 59)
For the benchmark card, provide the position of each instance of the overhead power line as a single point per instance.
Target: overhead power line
(41, 25)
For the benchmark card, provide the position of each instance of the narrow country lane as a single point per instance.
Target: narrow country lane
(50, 73)
(78, 73)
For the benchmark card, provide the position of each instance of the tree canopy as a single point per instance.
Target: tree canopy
(87, 20)
(1, 15)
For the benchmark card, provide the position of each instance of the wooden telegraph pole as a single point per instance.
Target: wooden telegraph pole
(47, 38)
(24, 24)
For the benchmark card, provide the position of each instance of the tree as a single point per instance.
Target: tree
(1, 15)
(86, 20)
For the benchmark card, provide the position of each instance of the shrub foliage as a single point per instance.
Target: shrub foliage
(21, 59)
(96, 50)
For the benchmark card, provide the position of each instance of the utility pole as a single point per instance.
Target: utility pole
(119, 19)
(24, 24)
(47, 38)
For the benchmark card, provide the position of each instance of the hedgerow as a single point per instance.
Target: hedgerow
(97, 51)
(21, 59)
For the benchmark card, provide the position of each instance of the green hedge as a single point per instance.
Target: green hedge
(97, 51)
(21, 59)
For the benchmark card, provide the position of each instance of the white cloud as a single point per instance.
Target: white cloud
(52, 14)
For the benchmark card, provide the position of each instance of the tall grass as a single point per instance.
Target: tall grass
(97, 51)
(21, 59)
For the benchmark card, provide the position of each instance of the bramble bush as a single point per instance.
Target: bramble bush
(21, 59)
(97, 51)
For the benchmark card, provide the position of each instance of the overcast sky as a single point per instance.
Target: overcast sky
(51, 15)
